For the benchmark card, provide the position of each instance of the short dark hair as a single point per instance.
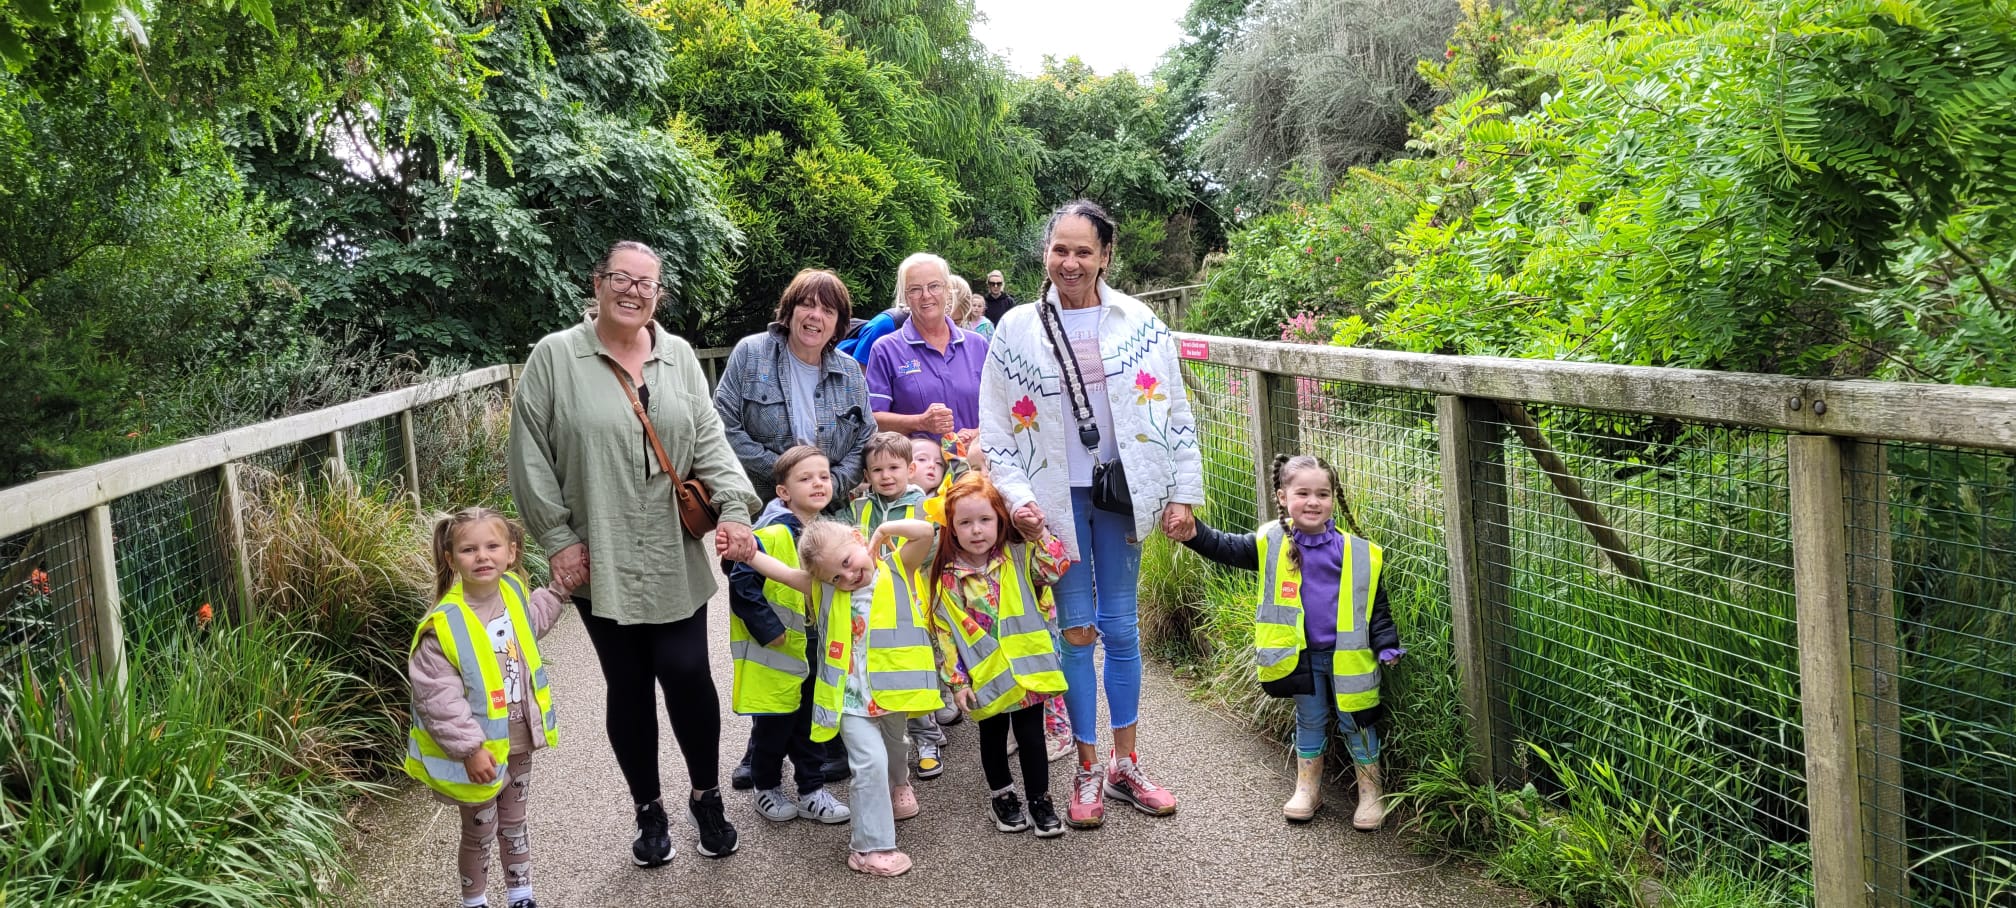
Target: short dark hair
(817, 287)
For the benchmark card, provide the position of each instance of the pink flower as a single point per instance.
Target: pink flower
(1025, 413)
(1147, 384)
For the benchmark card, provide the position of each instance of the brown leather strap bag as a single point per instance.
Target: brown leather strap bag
(695, 504)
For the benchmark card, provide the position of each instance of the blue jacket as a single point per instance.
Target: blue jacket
(745, 593)
(754, 401)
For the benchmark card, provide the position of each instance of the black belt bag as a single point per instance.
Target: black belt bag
(1109, 477)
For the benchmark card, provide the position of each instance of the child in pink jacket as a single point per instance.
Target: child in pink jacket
(480, 700)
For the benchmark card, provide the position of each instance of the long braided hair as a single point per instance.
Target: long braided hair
(1102, 223)
(1286, 465)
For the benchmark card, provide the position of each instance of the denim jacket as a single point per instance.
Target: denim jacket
(755, 406)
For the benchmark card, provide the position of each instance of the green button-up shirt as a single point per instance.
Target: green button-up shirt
(583, 471)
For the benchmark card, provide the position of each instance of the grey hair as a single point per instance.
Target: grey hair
(915, 259)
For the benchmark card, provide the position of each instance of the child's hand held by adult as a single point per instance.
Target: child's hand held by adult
(962, 697)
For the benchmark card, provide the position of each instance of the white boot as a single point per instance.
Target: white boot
(1308, 790)
(1371, 811)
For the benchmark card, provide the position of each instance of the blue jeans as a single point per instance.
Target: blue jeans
(1101, 591)
(1313, 711)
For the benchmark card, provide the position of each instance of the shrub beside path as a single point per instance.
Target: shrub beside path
(1226, 846)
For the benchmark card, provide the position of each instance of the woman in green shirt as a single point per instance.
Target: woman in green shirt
(589, 485)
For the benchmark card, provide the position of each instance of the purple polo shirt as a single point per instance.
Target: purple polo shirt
(905, 375)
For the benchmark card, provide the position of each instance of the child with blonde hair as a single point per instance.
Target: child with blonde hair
(481, 705)
(875, 670)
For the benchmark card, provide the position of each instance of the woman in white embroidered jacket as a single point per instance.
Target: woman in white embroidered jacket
(1040, 459)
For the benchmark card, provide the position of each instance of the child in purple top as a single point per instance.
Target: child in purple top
(1313, 554)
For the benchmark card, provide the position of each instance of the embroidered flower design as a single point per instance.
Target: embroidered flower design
(1025, 413)
(1147, 387)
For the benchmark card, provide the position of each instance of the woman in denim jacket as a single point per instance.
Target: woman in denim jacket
(762, 397)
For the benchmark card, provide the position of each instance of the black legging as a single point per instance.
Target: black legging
(675, 655)
(1027, 723)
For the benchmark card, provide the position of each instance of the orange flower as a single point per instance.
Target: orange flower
(38, 580)
(203, 615)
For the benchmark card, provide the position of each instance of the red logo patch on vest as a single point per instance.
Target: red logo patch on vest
(972, 630)
(497, 699)
(833, 650)
(1289, 589)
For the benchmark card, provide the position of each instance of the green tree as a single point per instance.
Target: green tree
(1104, 138)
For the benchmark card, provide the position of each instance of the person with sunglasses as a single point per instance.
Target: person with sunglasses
(999, 300)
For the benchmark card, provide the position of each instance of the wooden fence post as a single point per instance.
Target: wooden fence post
(1475, 522)
(338, 463)
(231, 519)
(1276, 428)
(411, 449)
(1873, 629)
(111, 630)
(1826, 672)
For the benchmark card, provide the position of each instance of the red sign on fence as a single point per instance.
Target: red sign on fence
(1194, 349)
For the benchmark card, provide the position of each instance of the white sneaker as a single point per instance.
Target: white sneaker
(930, 764)
(774, 806)
(821, 805)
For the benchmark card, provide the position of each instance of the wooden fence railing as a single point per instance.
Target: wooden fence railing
(1830, 438)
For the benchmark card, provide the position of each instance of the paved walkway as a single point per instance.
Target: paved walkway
(1226, 846)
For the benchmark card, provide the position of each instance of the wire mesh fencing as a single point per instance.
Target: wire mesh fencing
(1669, 656)
(47, 624)
(1935, 648)
(174, 556)
(1221, 404)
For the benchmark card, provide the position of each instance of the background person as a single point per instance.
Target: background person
(1038, 460)
(999, 300)
(588, 484)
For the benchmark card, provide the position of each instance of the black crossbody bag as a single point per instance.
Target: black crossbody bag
(1109, 477)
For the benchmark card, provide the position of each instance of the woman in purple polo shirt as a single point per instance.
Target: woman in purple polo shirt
(924, 378)
(924, 381)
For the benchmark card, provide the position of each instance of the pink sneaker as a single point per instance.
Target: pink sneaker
(1087, 811)
(903, 802)
(1126, 781)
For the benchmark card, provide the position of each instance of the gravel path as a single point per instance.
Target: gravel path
(1226, 846)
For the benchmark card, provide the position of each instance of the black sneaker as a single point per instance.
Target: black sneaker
(1008, 817)
(525, 903)
(1043, 816)
(742, 778)
(717, 835)
(653, 847)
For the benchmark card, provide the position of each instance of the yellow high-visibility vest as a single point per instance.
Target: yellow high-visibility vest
(467, 645)
(902, 673)
(865, 513)
(1018, 657)
(1278, 635)
(768, 678)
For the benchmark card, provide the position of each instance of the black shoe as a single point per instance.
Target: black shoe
(653, 847)
(837, 771)
(525, 903)
(717, 835)
(1008, 813)
(741, 777)
(1044, 817)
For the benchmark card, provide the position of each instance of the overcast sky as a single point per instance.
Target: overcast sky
(1109, 35)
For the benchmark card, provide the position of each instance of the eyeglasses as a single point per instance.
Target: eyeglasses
(623, 283)
(935, 288)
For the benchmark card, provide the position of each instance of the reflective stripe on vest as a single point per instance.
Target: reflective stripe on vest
(467, 646)
(767, 679)
(902, 670)
(1018, 656)
(1278, 632)
(867, 515)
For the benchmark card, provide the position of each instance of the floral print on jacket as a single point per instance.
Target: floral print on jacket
(977, 592)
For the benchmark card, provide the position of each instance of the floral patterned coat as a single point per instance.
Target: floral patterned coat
(1025, 416)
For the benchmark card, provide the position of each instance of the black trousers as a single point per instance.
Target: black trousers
(772, 738)
(1027, 725)
(638, 660)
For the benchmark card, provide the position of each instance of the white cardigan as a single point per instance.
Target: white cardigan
(1026, 420)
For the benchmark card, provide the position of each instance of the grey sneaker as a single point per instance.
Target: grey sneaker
(821, 805)
(774, 806)
(949, 716)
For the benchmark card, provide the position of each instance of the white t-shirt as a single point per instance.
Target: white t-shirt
(506, 644)
(1081, 326)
